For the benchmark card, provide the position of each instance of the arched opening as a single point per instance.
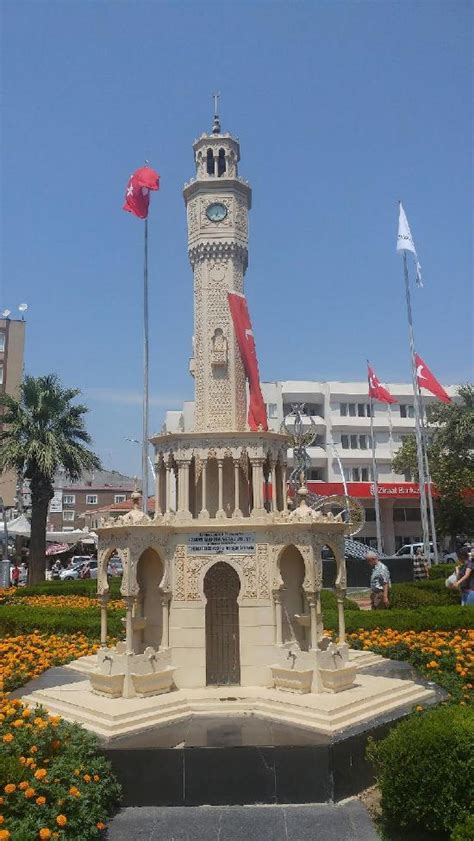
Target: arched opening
(210, 162)
(221, 163)
(221, 588)
(148, 619)
(293, 599)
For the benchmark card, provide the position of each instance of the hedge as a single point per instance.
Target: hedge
(23, 618)
(423, 593)
(441, 570)
(424, 770)
(424, 619)
(86, 587)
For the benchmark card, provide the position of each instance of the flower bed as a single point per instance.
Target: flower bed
(25, 656)
(65, 602)
(446, 657)
(53, 781)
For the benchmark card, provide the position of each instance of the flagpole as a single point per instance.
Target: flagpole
(145, 375)
(418, 436)
(428, 479)
(375, 474)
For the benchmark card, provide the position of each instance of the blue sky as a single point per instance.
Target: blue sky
(341, 109)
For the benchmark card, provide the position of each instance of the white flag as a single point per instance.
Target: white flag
(405, 242)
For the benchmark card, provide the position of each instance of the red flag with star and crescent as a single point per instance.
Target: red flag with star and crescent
(137, 194)
(376, 389)
(257, 413)
(428, 380)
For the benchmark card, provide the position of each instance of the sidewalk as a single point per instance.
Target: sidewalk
(347, 821)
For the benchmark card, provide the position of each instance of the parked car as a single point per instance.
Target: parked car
(115, 566)
(411, 549)
(73, 572)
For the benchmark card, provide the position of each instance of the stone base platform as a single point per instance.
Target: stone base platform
(326, 713)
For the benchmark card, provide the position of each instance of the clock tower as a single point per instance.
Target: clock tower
(217, 203)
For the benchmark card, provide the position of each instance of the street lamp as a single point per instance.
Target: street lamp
(5, 568)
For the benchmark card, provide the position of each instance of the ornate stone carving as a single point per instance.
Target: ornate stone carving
(179, 565)
(219, 348)
(263, 563)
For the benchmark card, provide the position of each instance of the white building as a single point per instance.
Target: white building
(341, 413)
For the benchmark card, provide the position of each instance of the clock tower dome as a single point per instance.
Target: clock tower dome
(217, 203)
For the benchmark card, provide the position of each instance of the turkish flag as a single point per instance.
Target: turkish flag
(427, 380)
(257, 415)
(137, 195)
(376, 390)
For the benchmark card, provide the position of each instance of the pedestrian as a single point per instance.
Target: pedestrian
(15, 575)
(379, 583)
(86, 571)
(465, 576)
(421, 569)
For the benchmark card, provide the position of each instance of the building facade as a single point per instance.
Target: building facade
(75, 503)
(12, 347)
(340, 412)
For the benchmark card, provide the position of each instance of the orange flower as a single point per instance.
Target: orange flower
(40, 801)
(23, 785)
(44, 833)
(61, 820)
(96, 778)
(9, 788)
(4, 835)
(100, 825)
(87, 778)
(8, 737)
(30, 792)
(74, 792)
(2, 819)
(40, 774)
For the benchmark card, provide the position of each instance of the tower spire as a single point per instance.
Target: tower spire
(216, 128)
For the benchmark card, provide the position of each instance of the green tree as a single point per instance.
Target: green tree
(450, 428)
(42, 431)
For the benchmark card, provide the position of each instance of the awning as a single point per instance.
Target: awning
(57, 549)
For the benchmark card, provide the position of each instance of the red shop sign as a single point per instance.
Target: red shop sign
(366, 490)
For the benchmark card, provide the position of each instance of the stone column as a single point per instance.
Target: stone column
(165, 634)
(204, 513)
(104, 599)
(340, 616)
(168, 488)
(278, 618)
(257, 484)
(313, 620)
(220, 515)
(158, 500)
(274, 488)
(183, 512)
(129, 603)
(284, 491)
(237, 512)
(319, 617)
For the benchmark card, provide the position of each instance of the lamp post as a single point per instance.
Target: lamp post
(150, 462)
(5, 568)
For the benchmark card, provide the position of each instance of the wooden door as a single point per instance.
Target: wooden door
(221, 588)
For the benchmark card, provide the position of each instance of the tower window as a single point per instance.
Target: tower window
(221, 167)
(210, 162)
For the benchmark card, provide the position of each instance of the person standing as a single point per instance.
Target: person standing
(379, 583)
(421, 569)
(465, 577)
(15, 575)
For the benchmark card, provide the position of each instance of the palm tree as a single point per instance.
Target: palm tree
(43, 431)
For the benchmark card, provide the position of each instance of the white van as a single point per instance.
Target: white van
(411, 549)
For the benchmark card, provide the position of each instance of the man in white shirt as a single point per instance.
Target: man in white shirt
(379, 583)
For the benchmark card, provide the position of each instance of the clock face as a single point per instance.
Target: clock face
(216, 212)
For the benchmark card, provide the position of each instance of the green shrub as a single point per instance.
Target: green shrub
(424, 769)
(23, 618)
(329, 601)
(86, 587)
(441, 571)
(69, 756)
(421, 594)
(464, 830)
(423, 619)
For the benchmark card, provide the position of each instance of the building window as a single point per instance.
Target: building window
(91, 499)
(68, 516)
(352, 410)
(221, 163)
(406, 515)
(314, 409)
(358, 474)
(210, 162)
(272, 411)
(119, 498)
(2, 342)
(316, 474)
(370, 515)
(69, 499)
(343, 409)
(407, 410)
(1, 373)
(361, 410)
(345, 442)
